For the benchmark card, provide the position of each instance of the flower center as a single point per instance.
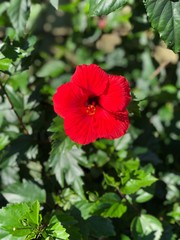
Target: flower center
(90, 109)
(91, 105)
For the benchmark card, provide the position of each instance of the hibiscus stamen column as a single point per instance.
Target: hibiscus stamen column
(91, 109)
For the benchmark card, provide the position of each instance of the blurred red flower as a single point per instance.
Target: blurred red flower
(93, 105)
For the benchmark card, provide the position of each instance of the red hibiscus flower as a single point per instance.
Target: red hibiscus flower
(93, 105)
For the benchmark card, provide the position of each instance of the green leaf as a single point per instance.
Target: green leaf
(133, 177)
(55, 3)
(69, 222)
(6, 236)
(64, 160)
(136, 182)
(25, 191)
(109, 205)
(104, 7)
(56, 230)
(33, 215)
(16, 99)
(115, 211)
(172, 181)
(122, 143)
(85, 208)
(146, 227)
(175, 213)
(19, 80)
(57, 129)
(165, 18)
(99, 227)
(110, 181)
(19, 219)
(18, 13)
(124, 237)
(51, 69)
(3, 7)
(143, 196)
(67, 198)
(4, 140)
(5, 64)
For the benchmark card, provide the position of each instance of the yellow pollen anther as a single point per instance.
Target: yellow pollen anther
(91, 109)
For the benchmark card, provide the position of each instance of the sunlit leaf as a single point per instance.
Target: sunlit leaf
(103, 7)
(64, 161)
(25, 191)
(143, 196)
(146, 227)
(18, 13)
(56, 230)
(175, 213)
(115, 211)
(3, 7)
(165, 18)
(5, 64)
(19, 219)
(55, 3)
(135, 183)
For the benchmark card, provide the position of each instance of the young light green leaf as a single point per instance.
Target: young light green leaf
(5, 64)
(55, 230)
(34, 216)
(19, 219)
(115, 211)
(110, 181)
(25, 191)
(165, 18)
(143, 196)
(18, 13)
(146, 226)
(6, 236)
(133, 177)
(136, 182)
(104, 7)
(124, 237)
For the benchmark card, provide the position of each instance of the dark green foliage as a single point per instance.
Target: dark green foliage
(165, 18)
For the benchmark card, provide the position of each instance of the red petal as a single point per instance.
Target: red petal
(117, 95)
(80, 127)
(68, 98)
(91, 78)
(111, 126)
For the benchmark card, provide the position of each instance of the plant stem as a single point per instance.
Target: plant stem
(25, 131)
(124, 196)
